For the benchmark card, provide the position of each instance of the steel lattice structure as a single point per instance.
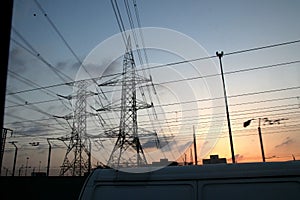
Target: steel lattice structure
(128, 150)
(77, 158)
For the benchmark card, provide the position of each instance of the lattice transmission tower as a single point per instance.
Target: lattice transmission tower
(128, 150)
(77, 159)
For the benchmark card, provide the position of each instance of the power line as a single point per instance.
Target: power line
(232, 53)
(233, 96)
(35, 53)
(239, 95)
(196, 117)
(32, 107)
(29, 82)
(186, 134)
(273, 113)
(98, 89)
(31, 103)
(122, 29)
(119, 20)
(236, 104)
(57, 31)
(166, 82)
(262, 47)
(232, 72)
(215, 114)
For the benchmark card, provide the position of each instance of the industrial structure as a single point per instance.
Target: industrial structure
(214, 159)
(128, 150)
(4, 132)
(77, 160)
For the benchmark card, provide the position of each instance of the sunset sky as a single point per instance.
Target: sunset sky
(52, 41)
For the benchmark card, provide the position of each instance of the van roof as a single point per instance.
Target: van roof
(209, 171)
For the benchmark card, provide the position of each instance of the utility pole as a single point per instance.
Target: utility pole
(40, 166)
(195, 146)
(261, 142)
(27, 158)
(15, 157)
(247, 123)
(20, 169)
(89, 157)
(49, 155)
(220, 55)
(191, 156)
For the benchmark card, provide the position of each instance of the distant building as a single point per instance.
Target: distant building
(214, 159)
(165, 162)
(38, 174)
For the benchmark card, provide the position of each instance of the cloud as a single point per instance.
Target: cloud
(286, 142)
(113, 67)
(239, 157)
(68, 67)
(25, 129)
(61, 64)
(17, 60)
(205, 143)
(58, 108)
(76, 66)
(153, 143)
(90, 70)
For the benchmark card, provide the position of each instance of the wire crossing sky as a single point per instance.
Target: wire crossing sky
(54, 41)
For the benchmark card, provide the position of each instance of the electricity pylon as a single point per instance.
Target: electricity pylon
(128, 150)
(2, 144)
(77, 159)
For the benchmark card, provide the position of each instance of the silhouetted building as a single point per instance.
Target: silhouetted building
(165, 162)
(38, 174)
(214, 159)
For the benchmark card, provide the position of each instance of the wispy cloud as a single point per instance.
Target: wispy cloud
(17, 60)
(113, 67)
(239, 157)
(287, 141)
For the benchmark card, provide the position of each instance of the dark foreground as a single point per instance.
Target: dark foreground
(40, 187)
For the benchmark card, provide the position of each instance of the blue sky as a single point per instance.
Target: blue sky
(227, 26)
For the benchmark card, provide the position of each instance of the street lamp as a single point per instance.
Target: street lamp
(220, 55)
(40, 166)
(15, 158)
(49, 154)
(20, 169)
(27, 158)
(269, 122)
(90, 156)
(34, 144)
(247, 123)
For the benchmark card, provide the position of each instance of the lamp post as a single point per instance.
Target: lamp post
(49, 155)
(15, 157)
(195, 146)
(6, 171)
(34, 144)
(20, 169)
(247, 123)
(40, 166)
(27, 158)
(220, 55)
(90, 157)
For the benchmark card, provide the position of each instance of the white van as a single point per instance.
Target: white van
(255, 181)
